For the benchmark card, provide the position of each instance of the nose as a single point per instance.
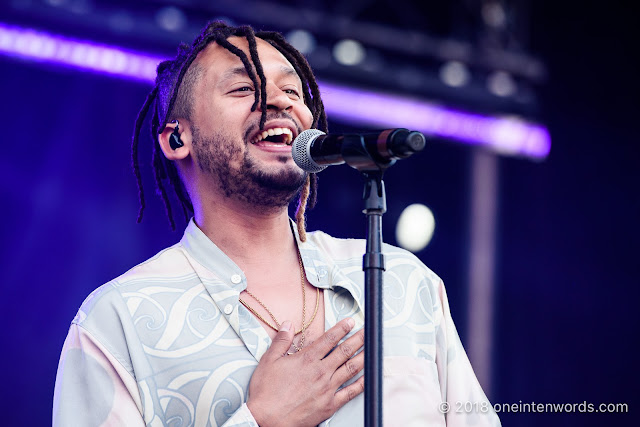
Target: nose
(277, 99)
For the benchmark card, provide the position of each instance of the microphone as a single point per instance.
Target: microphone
(314, 150)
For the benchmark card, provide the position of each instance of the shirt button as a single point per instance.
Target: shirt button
(236, 279)
(228, 309)
(322, 272)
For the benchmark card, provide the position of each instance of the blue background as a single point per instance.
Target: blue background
(566, 321)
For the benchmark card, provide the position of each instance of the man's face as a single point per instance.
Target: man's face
(247, 163)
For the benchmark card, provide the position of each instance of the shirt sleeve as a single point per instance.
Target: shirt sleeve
(241, 418)
(94, 389)
(464, 402)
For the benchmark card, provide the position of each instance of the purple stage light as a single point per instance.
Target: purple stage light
(505, 135)
(39, 46)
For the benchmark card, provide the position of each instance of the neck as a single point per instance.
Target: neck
(247, 235)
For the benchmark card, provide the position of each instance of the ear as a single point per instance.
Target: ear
(184, 130)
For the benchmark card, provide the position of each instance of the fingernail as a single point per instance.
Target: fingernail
(286, 325)
(351, 322)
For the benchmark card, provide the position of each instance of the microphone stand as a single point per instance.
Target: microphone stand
(358, 156)
(371, 157)
(373, 265)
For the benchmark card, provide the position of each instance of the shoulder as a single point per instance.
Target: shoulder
(172, 262)
(398, 261)
(168, 266)
(107, 313)
(336, 248)
(342, 249)
(407, 280)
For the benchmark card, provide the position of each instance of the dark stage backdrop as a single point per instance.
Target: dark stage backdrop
(566, 317)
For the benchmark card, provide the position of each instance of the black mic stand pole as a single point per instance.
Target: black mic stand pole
(366, 155)
(373, 265)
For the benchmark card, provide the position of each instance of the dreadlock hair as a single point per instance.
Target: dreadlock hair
(172, 97)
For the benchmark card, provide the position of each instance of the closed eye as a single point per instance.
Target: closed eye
(292, 92)
(243, 89)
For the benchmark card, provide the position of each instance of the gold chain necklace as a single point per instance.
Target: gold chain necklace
(304, 308)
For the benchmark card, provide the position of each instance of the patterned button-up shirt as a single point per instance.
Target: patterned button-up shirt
(168, 342)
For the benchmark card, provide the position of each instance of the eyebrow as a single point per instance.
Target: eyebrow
(288, 71)
(241, 71)
(234, 72)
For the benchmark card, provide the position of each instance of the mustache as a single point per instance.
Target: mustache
(274, 115)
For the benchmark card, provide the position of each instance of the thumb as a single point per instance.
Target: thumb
(281, 342)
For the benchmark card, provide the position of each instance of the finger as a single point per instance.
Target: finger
(347, 393)
(281, 342)
(331, 338)
(348, 370)
(346, 350)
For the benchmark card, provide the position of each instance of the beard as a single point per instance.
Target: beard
(249, 183)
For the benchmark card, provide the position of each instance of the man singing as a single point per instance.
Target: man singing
(249, 320)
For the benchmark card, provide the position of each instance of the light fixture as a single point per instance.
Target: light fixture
(349, 52)
(302, 40)
(506, 135)
(415, 227)
(454, 74)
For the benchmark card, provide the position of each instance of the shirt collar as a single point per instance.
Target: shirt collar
(206, 253)
(225, 280)
(319, 267)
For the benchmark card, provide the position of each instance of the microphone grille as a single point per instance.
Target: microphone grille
(300, 150)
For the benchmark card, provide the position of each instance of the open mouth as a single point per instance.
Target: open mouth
(275, 135)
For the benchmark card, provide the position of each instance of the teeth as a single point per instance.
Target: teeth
(275, 131)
